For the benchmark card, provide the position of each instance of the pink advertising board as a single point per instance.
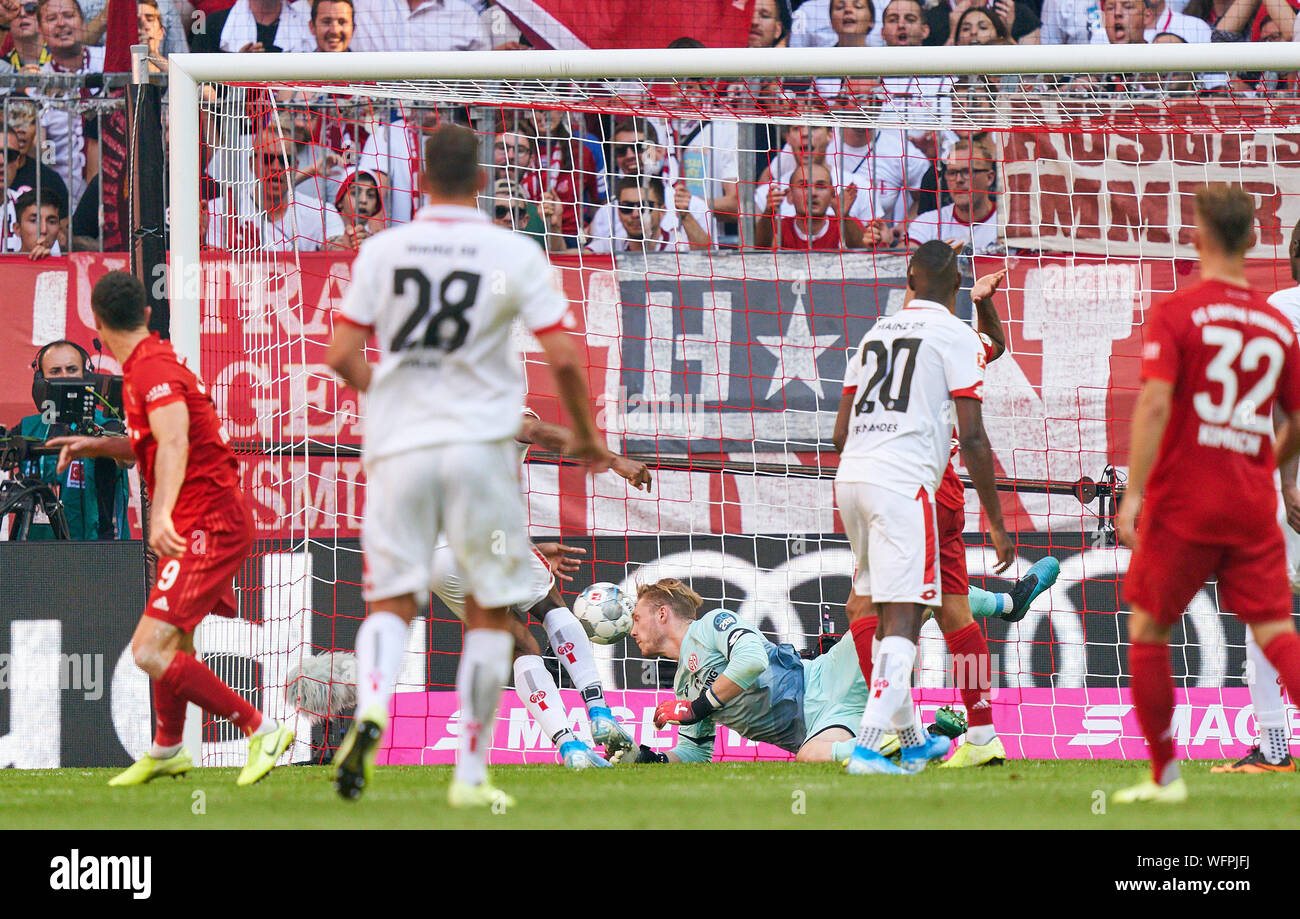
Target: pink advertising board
(1033, 724)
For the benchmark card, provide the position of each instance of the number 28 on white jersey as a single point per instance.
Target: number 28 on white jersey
(904, 375)
(441, 294)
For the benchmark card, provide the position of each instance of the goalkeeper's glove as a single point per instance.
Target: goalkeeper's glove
(646, 755)
(679, 711)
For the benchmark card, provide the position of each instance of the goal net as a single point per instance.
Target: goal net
(725, 236)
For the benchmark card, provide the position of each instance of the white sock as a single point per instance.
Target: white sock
(268, 725)
(1266, 697)
(158, 752)
(908, 726)
(538, 692)
(483, 671)
(891, 689)
(570, 643)
(981, 734)
(380, 643)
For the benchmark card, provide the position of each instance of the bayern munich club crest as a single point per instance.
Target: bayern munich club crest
(692, 663)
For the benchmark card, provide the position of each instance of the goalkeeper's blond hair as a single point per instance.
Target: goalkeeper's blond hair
(674, 594)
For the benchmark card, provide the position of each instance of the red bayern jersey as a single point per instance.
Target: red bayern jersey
(951, 493)
(794, 235)
(153, 377)
(1228, 354)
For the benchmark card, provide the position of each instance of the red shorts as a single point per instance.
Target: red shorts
(1166, 571)
(202, 580)
(953, 576)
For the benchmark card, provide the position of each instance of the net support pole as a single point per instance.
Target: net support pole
(185, 278)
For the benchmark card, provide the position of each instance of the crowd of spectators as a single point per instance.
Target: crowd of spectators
(308, 170)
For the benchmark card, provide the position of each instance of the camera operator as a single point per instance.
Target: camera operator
(93, 491)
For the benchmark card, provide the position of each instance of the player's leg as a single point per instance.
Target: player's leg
(832, 745)
(895, 543)
(863, 617)
(1278, 650)
(399, 537)
(1012, 606)
(1254, 585)
(486, 529)
(1164, 574)
(1273, 752)
(1152, 685)
(835, 694)
(483, 671)
(972, 670)
(570, 643)
(541, 697)
(972, 675)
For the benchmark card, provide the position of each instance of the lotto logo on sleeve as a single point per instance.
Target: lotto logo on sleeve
(692, 663)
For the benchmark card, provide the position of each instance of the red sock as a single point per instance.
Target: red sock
(194, 682)
(169, 716)
(972, 673)
(1152, 684)
(1283, 653)
(864, 632)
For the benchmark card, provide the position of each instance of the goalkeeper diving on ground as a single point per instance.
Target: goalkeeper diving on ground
(729, 674)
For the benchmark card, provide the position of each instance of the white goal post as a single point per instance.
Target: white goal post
(722, 360)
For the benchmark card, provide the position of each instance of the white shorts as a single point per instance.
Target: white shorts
(467, 493)
(895, 541)
(449, 582)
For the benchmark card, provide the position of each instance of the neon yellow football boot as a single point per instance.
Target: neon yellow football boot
(1149, 792)
(463, 794)
(969, 754)
(146, 769)
(263, 751)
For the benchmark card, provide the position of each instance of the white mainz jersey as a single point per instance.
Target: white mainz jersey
(904, 375)
(441, 294)
(1287, 302)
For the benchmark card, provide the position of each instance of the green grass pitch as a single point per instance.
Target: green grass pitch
(1027, 794)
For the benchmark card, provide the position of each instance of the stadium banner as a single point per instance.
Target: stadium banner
(567, 25)
(1118, 192)
(726, 355)
(1033, 724)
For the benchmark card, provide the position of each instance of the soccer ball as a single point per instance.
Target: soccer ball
(605, 612)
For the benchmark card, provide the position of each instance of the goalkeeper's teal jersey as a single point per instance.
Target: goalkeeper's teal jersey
(771, 708)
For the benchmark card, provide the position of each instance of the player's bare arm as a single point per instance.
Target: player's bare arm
(842, 416)
(561, 559)
(346, 355)
(978, 457)
(571, 384)
(987, 320)
(170, 425)
(1289, 470)
(79, 447)
(1150, 417)
(559, 439)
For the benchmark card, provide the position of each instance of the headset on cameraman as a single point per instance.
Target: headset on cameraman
(105, 470)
